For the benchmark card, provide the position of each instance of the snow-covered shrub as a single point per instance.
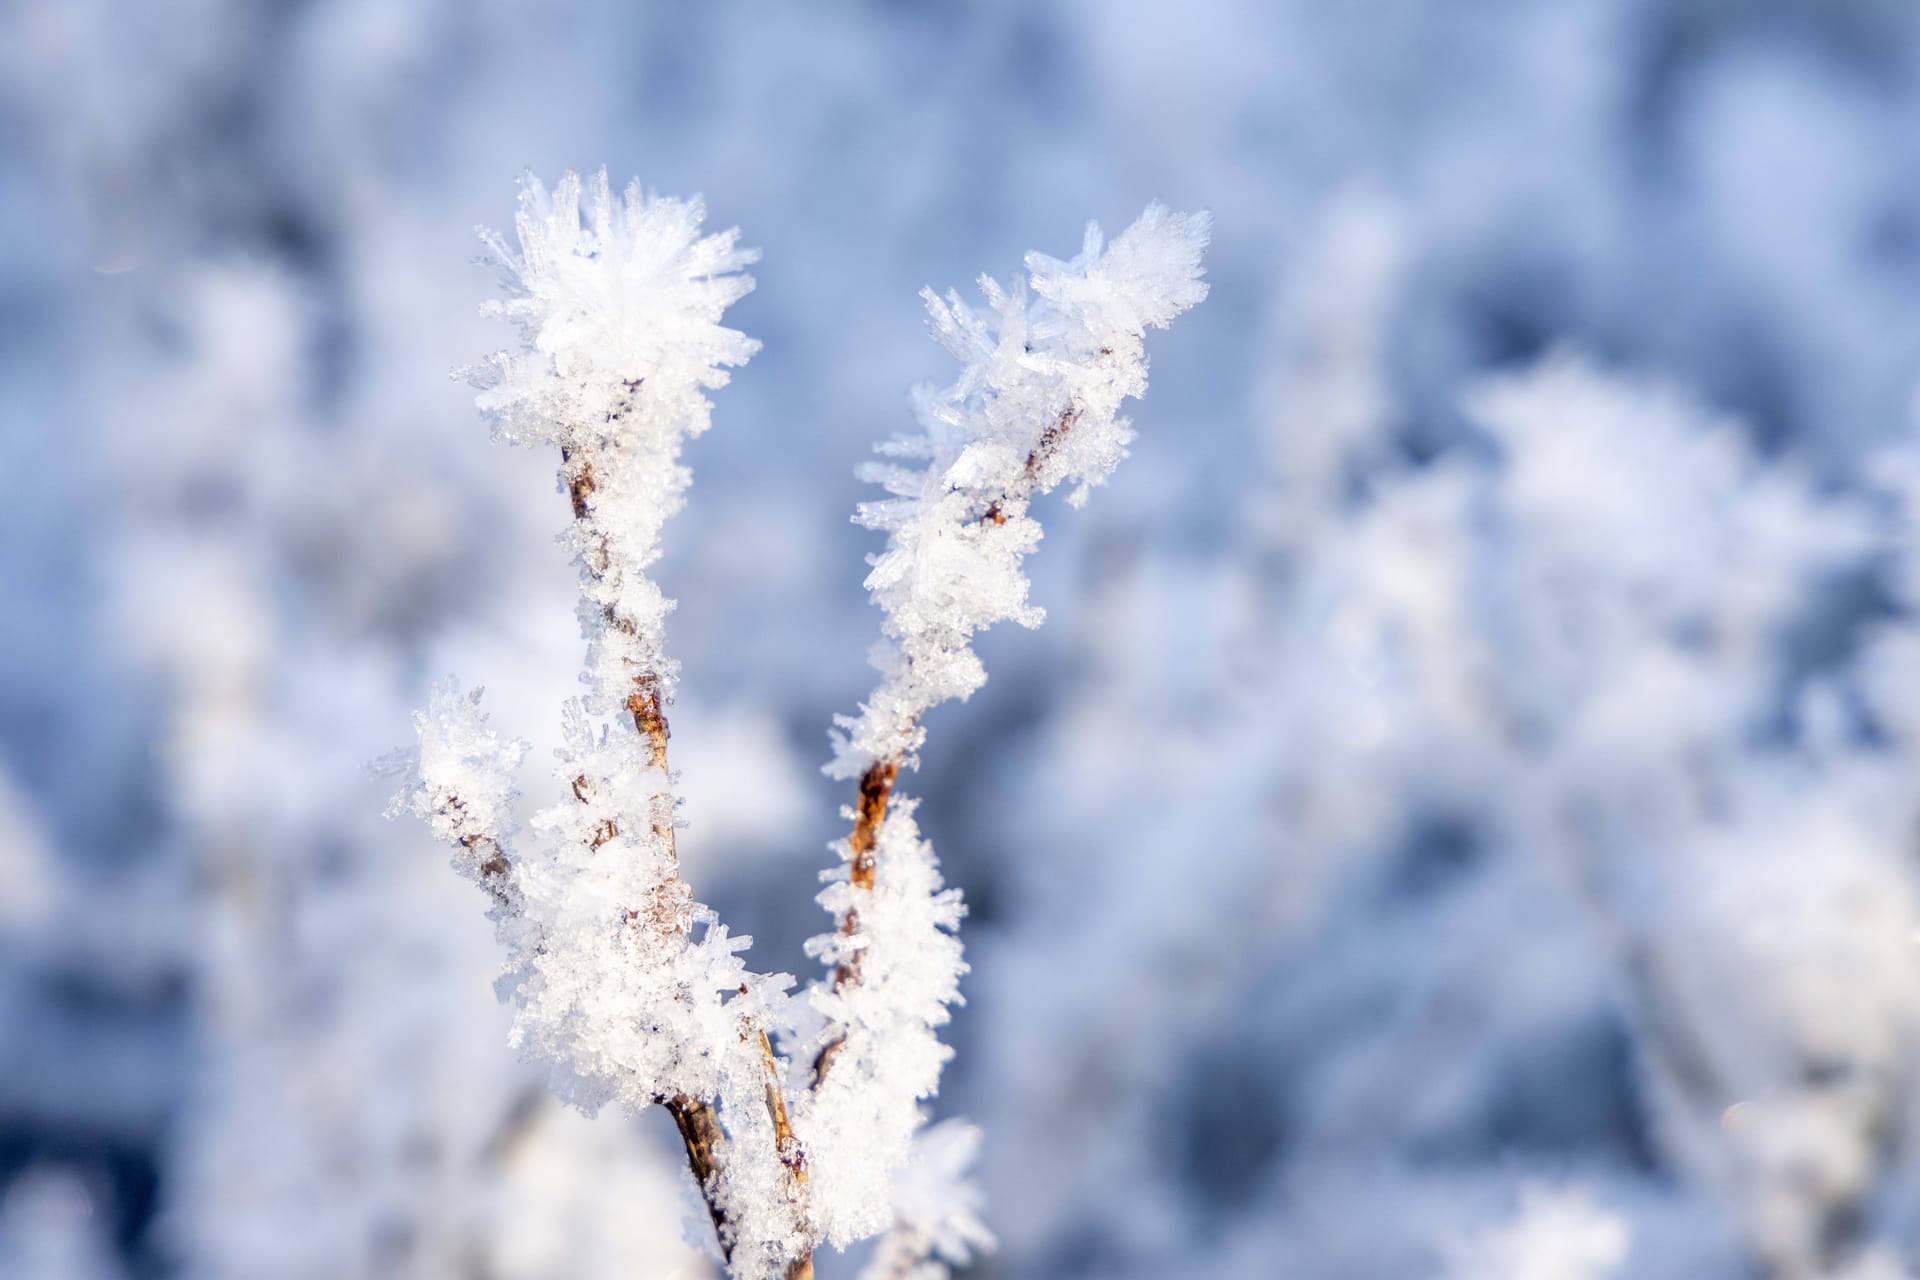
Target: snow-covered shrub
(800, 1118)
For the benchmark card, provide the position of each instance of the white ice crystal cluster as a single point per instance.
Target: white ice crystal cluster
(937, 1209)
(881, 1052)
(1037, 402)
(618, 973)
(1036, 405)
(618, 303)
(465, 785)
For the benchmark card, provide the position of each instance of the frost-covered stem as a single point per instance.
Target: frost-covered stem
(699, 1125)
(876, 788)
(1044, 370)
(700, 1132)
(491, 868)
(876, 784)
(496, 873)
(643, 700)
(793, 1156)
(479, 830)
(698, 1121)
(628, 985)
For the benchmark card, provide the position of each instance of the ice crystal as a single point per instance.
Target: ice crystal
(1036, 405)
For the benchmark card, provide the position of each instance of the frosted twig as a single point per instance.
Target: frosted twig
(1044, 372)
(629, 986)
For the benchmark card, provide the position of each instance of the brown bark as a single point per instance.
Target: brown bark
(700, 1130)
(876, 788)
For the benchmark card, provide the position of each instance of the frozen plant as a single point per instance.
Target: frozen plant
(1036, 405)
(621, 979)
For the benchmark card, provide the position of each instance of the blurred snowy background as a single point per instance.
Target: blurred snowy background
(1460, 819)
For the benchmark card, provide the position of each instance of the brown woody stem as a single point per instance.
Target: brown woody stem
(700, 1130)
(876, 789)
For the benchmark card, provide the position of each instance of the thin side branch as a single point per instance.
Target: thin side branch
(876, 784)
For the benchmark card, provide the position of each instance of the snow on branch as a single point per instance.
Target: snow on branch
(621, 979)
(1036, 405)
(1045, 369)
(463, 789)
(618, 305)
